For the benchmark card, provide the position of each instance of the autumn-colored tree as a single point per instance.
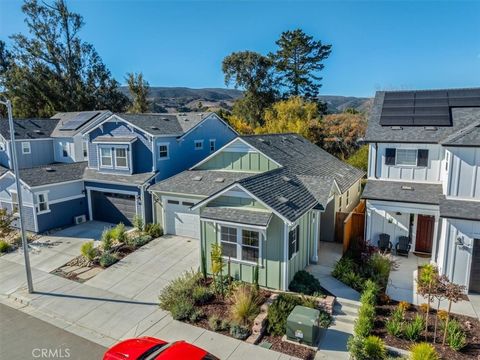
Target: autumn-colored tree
(341, 133)
(295, 115)
(240, 125)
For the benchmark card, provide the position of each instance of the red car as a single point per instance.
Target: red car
(149, 348)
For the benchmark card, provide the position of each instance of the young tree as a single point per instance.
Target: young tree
(252, 72)
(139, 91)
(53, 69)
(439, 294)
(341, 133)
(453, 293)
(298, 62)
(427, 282)
(6, 220)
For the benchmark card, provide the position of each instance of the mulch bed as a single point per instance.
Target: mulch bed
(470, 325)
(298, 351)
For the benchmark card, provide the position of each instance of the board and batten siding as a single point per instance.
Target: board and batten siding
(431, 173)
(270, 269)
(300, 260)
(464, 172)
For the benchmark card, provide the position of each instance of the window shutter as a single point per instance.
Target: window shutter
(422, 157)
(390, 156)
(297, 243)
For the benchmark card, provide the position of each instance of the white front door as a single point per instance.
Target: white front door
(180, 220)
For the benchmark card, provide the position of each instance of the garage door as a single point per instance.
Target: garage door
(112, 207)
(180, 220)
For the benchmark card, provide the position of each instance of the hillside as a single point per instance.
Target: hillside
(171, 99)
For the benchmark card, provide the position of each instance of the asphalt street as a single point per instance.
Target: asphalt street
(23, 337)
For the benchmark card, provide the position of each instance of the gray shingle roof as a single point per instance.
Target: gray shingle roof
(3, 170)
(410, 192)
(53, 173)
(470, 135)
(460, 209)
(461, 117)
(165, 124)
(28, 128)
(64, 117)
(240, 216)
(301, 157)
(134, 179)
(184, 182)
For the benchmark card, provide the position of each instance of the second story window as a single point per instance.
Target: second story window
(293, 241)
(340, 203)
(198, 144)
(105, 157)
(406, 157)
(121, 158)
(348, 197)
(163, 151)
(65, 150)
(212, 145)
(26, 147)
(85, 150)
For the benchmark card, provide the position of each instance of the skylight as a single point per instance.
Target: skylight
(219, 180)
(406, 187)
(197, 178)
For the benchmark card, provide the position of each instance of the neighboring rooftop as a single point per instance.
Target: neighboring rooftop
(53, 173)
(166, 124)
(71, 123)
(423, 116)
(134, 179)
(240, 216)
(26, 129)
(399, 191)
(460, 209)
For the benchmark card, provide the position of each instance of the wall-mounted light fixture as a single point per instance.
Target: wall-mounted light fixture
(459, 240)
(399, 213)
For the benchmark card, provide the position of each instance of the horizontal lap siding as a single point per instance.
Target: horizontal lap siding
(62, 214)
(28, 216)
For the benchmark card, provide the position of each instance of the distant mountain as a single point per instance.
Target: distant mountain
(172, 99)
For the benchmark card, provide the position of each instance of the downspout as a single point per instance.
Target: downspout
(285, 257)
(375, 162)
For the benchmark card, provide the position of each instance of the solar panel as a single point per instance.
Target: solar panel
(79, 120)
(425, 108)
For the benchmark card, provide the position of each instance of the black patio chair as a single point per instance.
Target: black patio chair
(402, 247)
(384, 243)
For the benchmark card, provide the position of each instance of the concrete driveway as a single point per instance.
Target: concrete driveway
(143, 274)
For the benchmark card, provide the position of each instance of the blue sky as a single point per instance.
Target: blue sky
(377, 45)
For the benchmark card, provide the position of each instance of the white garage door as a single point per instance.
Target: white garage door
(180, 220)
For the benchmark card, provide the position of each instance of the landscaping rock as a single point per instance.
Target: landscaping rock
(90, 273)
(80, 270)
(69, 269)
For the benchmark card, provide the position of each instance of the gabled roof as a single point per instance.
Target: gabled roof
(134, 179)
(26, 129)
(421, 116)
(239, 216)
(53, 173)
(401, 191)
(460, 209)
(74, 122)
(468, 136)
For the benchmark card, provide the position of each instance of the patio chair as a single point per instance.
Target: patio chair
(402, 247)
(384, 243)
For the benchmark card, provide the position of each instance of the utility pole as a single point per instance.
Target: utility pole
(16, 174)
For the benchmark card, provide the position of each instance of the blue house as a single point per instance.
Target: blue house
(98, 165)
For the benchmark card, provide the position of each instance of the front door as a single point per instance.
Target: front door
(475, 268)
(424, 238)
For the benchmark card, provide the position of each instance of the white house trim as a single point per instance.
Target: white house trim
(211, 115)
(235, 224)
(116, 118)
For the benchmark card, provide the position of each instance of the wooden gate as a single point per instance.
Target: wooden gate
(351, 226)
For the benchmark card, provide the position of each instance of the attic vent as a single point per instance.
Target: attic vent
(37, 131)
(339, 175)
(406, 187)
(165, 119)
(49, 169)
(282, 199)
(197, 178)
(431, 128)
(261, 140)
(286, 178)
(219, 180)
(396, 128)
(154, 127)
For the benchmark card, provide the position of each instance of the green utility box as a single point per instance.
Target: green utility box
(303, 326)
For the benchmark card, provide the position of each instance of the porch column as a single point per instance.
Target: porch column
(316, 233)
(433, 257)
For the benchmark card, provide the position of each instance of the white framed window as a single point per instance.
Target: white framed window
(26, 148)
(348, 197)
(42, 203)
(406, 157)
(340, 203)
(293, 241)
(163, 153)
(198, 144)
(14, 202)
(85, 150)
(240, 244)
(212, 145)
(65, 149)
(106, 157)
(121, 160)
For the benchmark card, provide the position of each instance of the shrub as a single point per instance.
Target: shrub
(201, 295)
(107, 240)
(413, 328)
(423, 351)
(404, 305)
(456, 337)
(138, 222)
(325, 319)
(370, 293)
(343, 266)
(4, 246)
(239, 332)
(278, 312)
(364, 323)
(394, 327)
(179, 288)
(224, 325)
(355, 348)
(245, 304)
(107, 259)
(139, 241)
(154, 230)
(353, 279)
(423, 308)
(305, 283)
(379, 266)
(196, 315)
(182, 309)
(374, 348)
(214, 323)
(119, 233)
(88, 250)
(442, 315)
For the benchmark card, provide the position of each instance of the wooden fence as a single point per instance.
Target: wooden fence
(350, 227)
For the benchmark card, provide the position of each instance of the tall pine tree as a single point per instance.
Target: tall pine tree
(139, 91)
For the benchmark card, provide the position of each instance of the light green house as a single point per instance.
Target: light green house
(260, 197)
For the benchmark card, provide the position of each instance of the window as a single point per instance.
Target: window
(105, 157)
(187, 203)
(406, 157)
(348, 197)
(212, 145)
(173, 202)
(198, 144)
(42, 203)
(85, 150)
(2, 145)
(228, 240)
(65, 149)
(26, 148)
(250, 245)
(163, 151)
(121, 158)
(293, 241)
(340, 203)
(14, 202)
